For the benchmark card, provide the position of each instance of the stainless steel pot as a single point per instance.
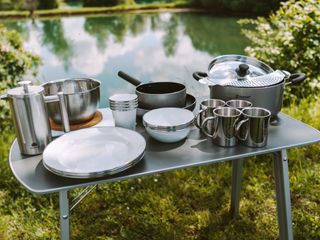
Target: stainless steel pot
(81, 95)
(157, 94)
(240, 77)
(29, 112)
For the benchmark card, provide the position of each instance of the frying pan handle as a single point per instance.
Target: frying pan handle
(129, 79)
(199, 75)
(296, 78)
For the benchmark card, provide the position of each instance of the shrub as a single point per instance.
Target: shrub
(14, 64)
(289, 39)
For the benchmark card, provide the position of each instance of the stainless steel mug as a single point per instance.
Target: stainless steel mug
(206, 110)
(238, 103)
(224, 126)
(255, 126)
(30, 116)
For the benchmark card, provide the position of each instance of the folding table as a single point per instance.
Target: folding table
(196, 150)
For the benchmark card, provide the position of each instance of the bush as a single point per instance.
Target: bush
(107, 3)
(14, 64)
(289, 40)
(239, 7)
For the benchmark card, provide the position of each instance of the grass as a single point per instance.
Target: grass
(187, 204)
(176, 6)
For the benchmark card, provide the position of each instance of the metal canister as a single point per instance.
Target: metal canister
(29, 113)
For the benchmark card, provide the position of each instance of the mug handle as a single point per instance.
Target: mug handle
(238, 128)
(215, 132)
(197, 120)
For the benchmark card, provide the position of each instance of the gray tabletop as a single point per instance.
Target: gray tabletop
(159, 157)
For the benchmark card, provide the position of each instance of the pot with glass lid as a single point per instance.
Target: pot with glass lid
(241, 77)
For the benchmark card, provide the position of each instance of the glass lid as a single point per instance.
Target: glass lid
(238, 70)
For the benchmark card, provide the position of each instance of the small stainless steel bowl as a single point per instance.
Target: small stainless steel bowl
(81, 95)
(168, 124)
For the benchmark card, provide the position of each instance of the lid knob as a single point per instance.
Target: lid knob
(242, 70)
(25, 85)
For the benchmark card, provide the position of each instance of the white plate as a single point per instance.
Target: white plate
(94, 152)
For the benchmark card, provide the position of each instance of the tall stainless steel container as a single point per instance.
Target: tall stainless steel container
(29, 112)
(30, 116)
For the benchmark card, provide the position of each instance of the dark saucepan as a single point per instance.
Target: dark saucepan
(157, 94)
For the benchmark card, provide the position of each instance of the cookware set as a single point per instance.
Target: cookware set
(244, 94)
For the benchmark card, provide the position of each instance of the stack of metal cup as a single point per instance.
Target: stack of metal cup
(124, 109)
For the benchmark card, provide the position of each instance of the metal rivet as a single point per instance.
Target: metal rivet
(65, 216)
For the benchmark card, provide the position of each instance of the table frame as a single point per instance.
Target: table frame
(162, 158)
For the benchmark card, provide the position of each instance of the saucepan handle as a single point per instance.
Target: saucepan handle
(63, 109)
(199, 75)
(128, 78)
(296, 78)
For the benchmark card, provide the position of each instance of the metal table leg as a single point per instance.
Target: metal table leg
(283, 195)
(64, 215)
(236, 186)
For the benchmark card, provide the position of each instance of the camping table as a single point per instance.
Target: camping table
(160, 157)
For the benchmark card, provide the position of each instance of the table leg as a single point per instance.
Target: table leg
(283, 195)
(64, 215)
(236, 186)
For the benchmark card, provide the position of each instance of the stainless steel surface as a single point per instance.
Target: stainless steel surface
(236, 187)
(123, 102)
(194, 151)
(206, 110)
(254, 126)
(157, 94)
(81, 95)
(224, 122)
(110, 150)
(64, 215)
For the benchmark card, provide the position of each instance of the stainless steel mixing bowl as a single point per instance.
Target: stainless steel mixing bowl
(81, 96)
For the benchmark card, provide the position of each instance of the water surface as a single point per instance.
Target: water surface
(150, 47)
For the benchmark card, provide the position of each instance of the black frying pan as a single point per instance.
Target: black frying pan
(157, 94)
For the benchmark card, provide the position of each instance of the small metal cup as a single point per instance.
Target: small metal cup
(206, 110)
(254, 126)
(238, 103)
(223, 127)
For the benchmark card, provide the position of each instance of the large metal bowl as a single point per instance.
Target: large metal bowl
(81, 96)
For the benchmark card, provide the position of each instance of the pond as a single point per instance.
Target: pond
(150, 47)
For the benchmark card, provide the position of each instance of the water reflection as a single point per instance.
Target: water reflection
(150, 47)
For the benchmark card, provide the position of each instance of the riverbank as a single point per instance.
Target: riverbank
(137, 8)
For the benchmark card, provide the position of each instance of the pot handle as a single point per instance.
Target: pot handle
(199, 75)
(59, 97)
(128, 78)
(296, 78)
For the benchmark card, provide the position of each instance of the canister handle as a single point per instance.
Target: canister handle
(63, 109)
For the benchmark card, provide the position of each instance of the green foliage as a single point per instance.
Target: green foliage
(103, 3)
(15, 62)
(6, 5)
(238, 7)
(289, 40)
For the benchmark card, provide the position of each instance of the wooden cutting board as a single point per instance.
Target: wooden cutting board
(95, 120)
